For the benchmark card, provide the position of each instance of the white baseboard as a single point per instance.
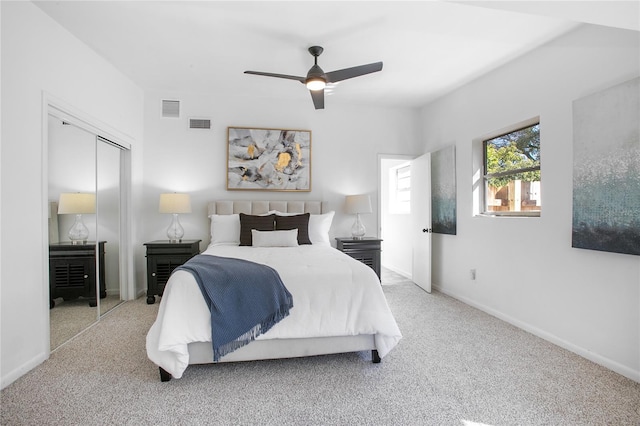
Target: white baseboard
(585, 353)
(15, 374)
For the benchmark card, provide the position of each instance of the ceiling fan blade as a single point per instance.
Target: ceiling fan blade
(346, 73)
(268, 74)
(318, 98)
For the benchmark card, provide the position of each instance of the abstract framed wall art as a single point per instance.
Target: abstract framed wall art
(268, 159)
(443, 191)
(606, 170)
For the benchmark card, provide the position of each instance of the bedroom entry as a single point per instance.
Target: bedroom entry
(404, 194)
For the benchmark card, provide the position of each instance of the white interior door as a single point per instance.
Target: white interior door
(421, 220)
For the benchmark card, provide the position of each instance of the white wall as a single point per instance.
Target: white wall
(38, 55)
(527, 272)
(346, 141)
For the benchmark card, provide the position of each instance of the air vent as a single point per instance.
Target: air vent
(199, 123)
(170, 109)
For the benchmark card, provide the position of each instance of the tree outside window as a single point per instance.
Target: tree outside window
(512, 173)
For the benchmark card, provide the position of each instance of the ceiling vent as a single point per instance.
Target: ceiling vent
(170, 109)
(199, 123)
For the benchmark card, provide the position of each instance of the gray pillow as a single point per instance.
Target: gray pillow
(299, 222)
(249, 222)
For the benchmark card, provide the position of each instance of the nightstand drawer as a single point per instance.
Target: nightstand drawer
(186, 247)
(350, 245)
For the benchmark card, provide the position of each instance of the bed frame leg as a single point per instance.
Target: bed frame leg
(164, 375)
(375, 358)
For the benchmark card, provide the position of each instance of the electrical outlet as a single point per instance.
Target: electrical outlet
(472, 274)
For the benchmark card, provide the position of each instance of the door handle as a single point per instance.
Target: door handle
(427, 230)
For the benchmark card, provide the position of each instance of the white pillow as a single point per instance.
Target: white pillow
(279, 213)
(274, 238)
(225, 229)
(319, 225)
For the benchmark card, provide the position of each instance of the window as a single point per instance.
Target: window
(400, 189)
(512, 173)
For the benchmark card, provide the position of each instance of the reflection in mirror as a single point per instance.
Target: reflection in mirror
(108, 195)
(72, 267)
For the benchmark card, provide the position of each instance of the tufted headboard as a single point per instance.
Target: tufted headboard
(261, 207)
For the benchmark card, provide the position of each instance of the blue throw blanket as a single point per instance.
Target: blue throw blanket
(245, 298)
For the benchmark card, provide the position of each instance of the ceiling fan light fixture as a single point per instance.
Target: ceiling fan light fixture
(316, 83)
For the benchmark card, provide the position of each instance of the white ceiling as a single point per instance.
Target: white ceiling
(428, 47)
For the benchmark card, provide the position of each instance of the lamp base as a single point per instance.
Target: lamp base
(358, 230)
(78, 233)
(175, 231)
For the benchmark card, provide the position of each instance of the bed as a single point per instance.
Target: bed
(338, 307)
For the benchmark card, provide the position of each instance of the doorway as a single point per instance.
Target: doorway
(394, 210)
(404, 191)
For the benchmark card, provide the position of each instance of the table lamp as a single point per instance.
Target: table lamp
(77, 203)
(357, 204)
(175, 204)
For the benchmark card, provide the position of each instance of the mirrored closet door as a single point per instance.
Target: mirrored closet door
(84, 228)
(108, 219)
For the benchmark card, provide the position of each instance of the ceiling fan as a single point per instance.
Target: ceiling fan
(317, 79)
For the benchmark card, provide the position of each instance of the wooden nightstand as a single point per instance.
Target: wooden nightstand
(366, 250)
(72, 271)
(162, 258)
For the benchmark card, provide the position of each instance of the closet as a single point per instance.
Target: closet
(86, 192)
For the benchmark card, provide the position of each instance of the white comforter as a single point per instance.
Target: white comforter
(333, 295)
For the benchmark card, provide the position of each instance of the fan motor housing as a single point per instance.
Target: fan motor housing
(316, 50)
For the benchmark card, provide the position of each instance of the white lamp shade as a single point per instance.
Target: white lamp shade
(175, 203)
(77, 203)
(358, 204)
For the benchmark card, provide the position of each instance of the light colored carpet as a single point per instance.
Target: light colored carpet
(454, 366)
(70, 317)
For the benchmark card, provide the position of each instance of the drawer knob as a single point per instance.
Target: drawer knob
(86, 276)
(153, 274)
